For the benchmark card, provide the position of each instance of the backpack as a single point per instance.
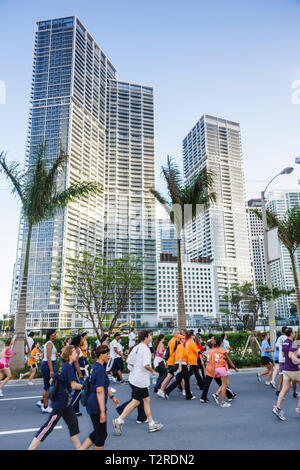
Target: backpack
(85, 391)
(54, 387)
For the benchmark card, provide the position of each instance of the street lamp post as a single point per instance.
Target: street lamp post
(271, 309)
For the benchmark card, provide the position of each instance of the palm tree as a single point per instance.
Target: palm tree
(182, 207)
(289, 235)
(38, 189)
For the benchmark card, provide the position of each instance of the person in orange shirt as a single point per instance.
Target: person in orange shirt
(193, 351)
(31, 363)
(181, 370)
(220, 359)
(172, 345)
(84, 347)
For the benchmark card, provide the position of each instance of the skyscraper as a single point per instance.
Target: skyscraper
(221, 231)
(72, 105)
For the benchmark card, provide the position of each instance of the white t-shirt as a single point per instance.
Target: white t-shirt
(132, 339)
(98, 343)
(53, 352)
(30, 342)
(226, 345)
(120, 348)
(140, 377)
(279, 343)
(114, 344)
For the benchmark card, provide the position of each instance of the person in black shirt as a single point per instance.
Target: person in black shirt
(61, 406)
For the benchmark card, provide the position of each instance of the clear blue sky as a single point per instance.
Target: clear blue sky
(230, 58)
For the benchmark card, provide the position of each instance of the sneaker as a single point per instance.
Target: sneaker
(140, 422)
(39, 404)
(155, 427)
(192, 398)
(216, 398)
(161, 393)
(258, 377)
(166, 396)
(78, 414)
(21, 376)
(113, 390)
(279, 413)
(268, 383)
(298, 411)
(117, 427)
(204, 400)
(46, 410)
(30, 383)
(114, 379)
(1, 393)
(225, 405)
(273, 385)
(183, 393)
(232, 398)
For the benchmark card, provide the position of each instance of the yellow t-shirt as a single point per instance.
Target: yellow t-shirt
(192, 351)
(33, 357)
(181, 352)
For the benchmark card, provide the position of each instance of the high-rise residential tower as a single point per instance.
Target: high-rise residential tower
(72, 106)
(221, 231)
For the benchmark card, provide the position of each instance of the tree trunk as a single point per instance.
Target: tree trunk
(296, 282)
(18, 361)
(253, 345)
(181, 306)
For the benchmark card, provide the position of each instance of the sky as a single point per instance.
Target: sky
(234, 59)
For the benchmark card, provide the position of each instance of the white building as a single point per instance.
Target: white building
(221, 232)
(199, 285)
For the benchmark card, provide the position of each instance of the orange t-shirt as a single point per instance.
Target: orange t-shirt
(171, 345)
(192, 350)
(209, 370)
(83, 348)
(181, 352)
(219, 358)
(32, 359)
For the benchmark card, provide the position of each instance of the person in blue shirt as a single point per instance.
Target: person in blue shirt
(61, 405)
(266, 360)
(97, 400)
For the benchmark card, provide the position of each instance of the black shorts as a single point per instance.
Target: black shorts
(117, 364)
(171, 370)
(266, 360)
(33, 366)
(99, 435)
(139, 393)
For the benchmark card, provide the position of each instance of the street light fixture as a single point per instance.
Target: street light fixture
(272, 322)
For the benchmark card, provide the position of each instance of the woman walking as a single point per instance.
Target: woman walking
(97, 401)
(61, 405)
(31, 364)
(159, 362)
(220, 359)
(79, 370)
(5, 356)
(181, 370)
(48, 369)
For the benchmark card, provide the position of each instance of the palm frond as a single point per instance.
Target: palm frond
(73, 192)
(52, 173)
(173, 179)
(12, 171)
(199, 191)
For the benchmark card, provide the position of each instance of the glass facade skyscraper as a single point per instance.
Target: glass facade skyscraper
(72, 105)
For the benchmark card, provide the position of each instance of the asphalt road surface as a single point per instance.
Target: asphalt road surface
(188, 425)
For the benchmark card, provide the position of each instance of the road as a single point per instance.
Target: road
(188, 425)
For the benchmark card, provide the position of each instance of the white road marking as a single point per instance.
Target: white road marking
(19, 398)
(18, 431)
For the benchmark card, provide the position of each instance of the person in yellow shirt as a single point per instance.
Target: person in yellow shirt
(31, 363)
(172, 344)
(181, 370)
(193, 351)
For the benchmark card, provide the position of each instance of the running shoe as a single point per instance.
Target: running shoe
(46, 410)
(183, 393)
(298, 411)
(192, 398)
(161, 393)
(114, 379)
(117, 426)
(30, 383)
(216, 398)
(204, 400)
(21, 376)
(166, 396)
(78, 414)
(258, 377)
(225, 405)
(113, 390)
(1, 393)
(279, 413)
(233, 397)
(39, 404)
(155, 427)
(273, 385)
(140, 422)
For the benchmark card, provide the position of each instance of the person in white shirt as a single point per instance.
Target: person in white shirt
(225, 344)
(281, 359)
(30, 342)
(140, 381)
(115, 362)
(132, 336)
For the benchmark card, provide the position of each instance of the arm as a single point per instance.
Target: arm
(78, 370)
(49, 350)
(231, 363)
(149, 369)
(113, 398)
(101, 402)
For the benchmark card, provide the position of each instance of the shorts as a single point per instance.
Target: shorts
(266, 360)
(221, 372)
(33, 366)
(46, 373)
(276, 362)
(99, 435)
(291, 375)
(3, 366)
(117, 364)
(139, 393)
(171, 370)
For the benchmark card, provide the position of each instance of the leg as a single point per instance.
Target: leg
(223, 389)
(195, 371)
(294, 384)
(161, 369)
(270, 372)
(129, 408)
(206, 386)
(7, 372)
(284, 391)
(46, 429)
(166, 381)
(174, 384)
(186, 377)
(147, 409)
(71, 421)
